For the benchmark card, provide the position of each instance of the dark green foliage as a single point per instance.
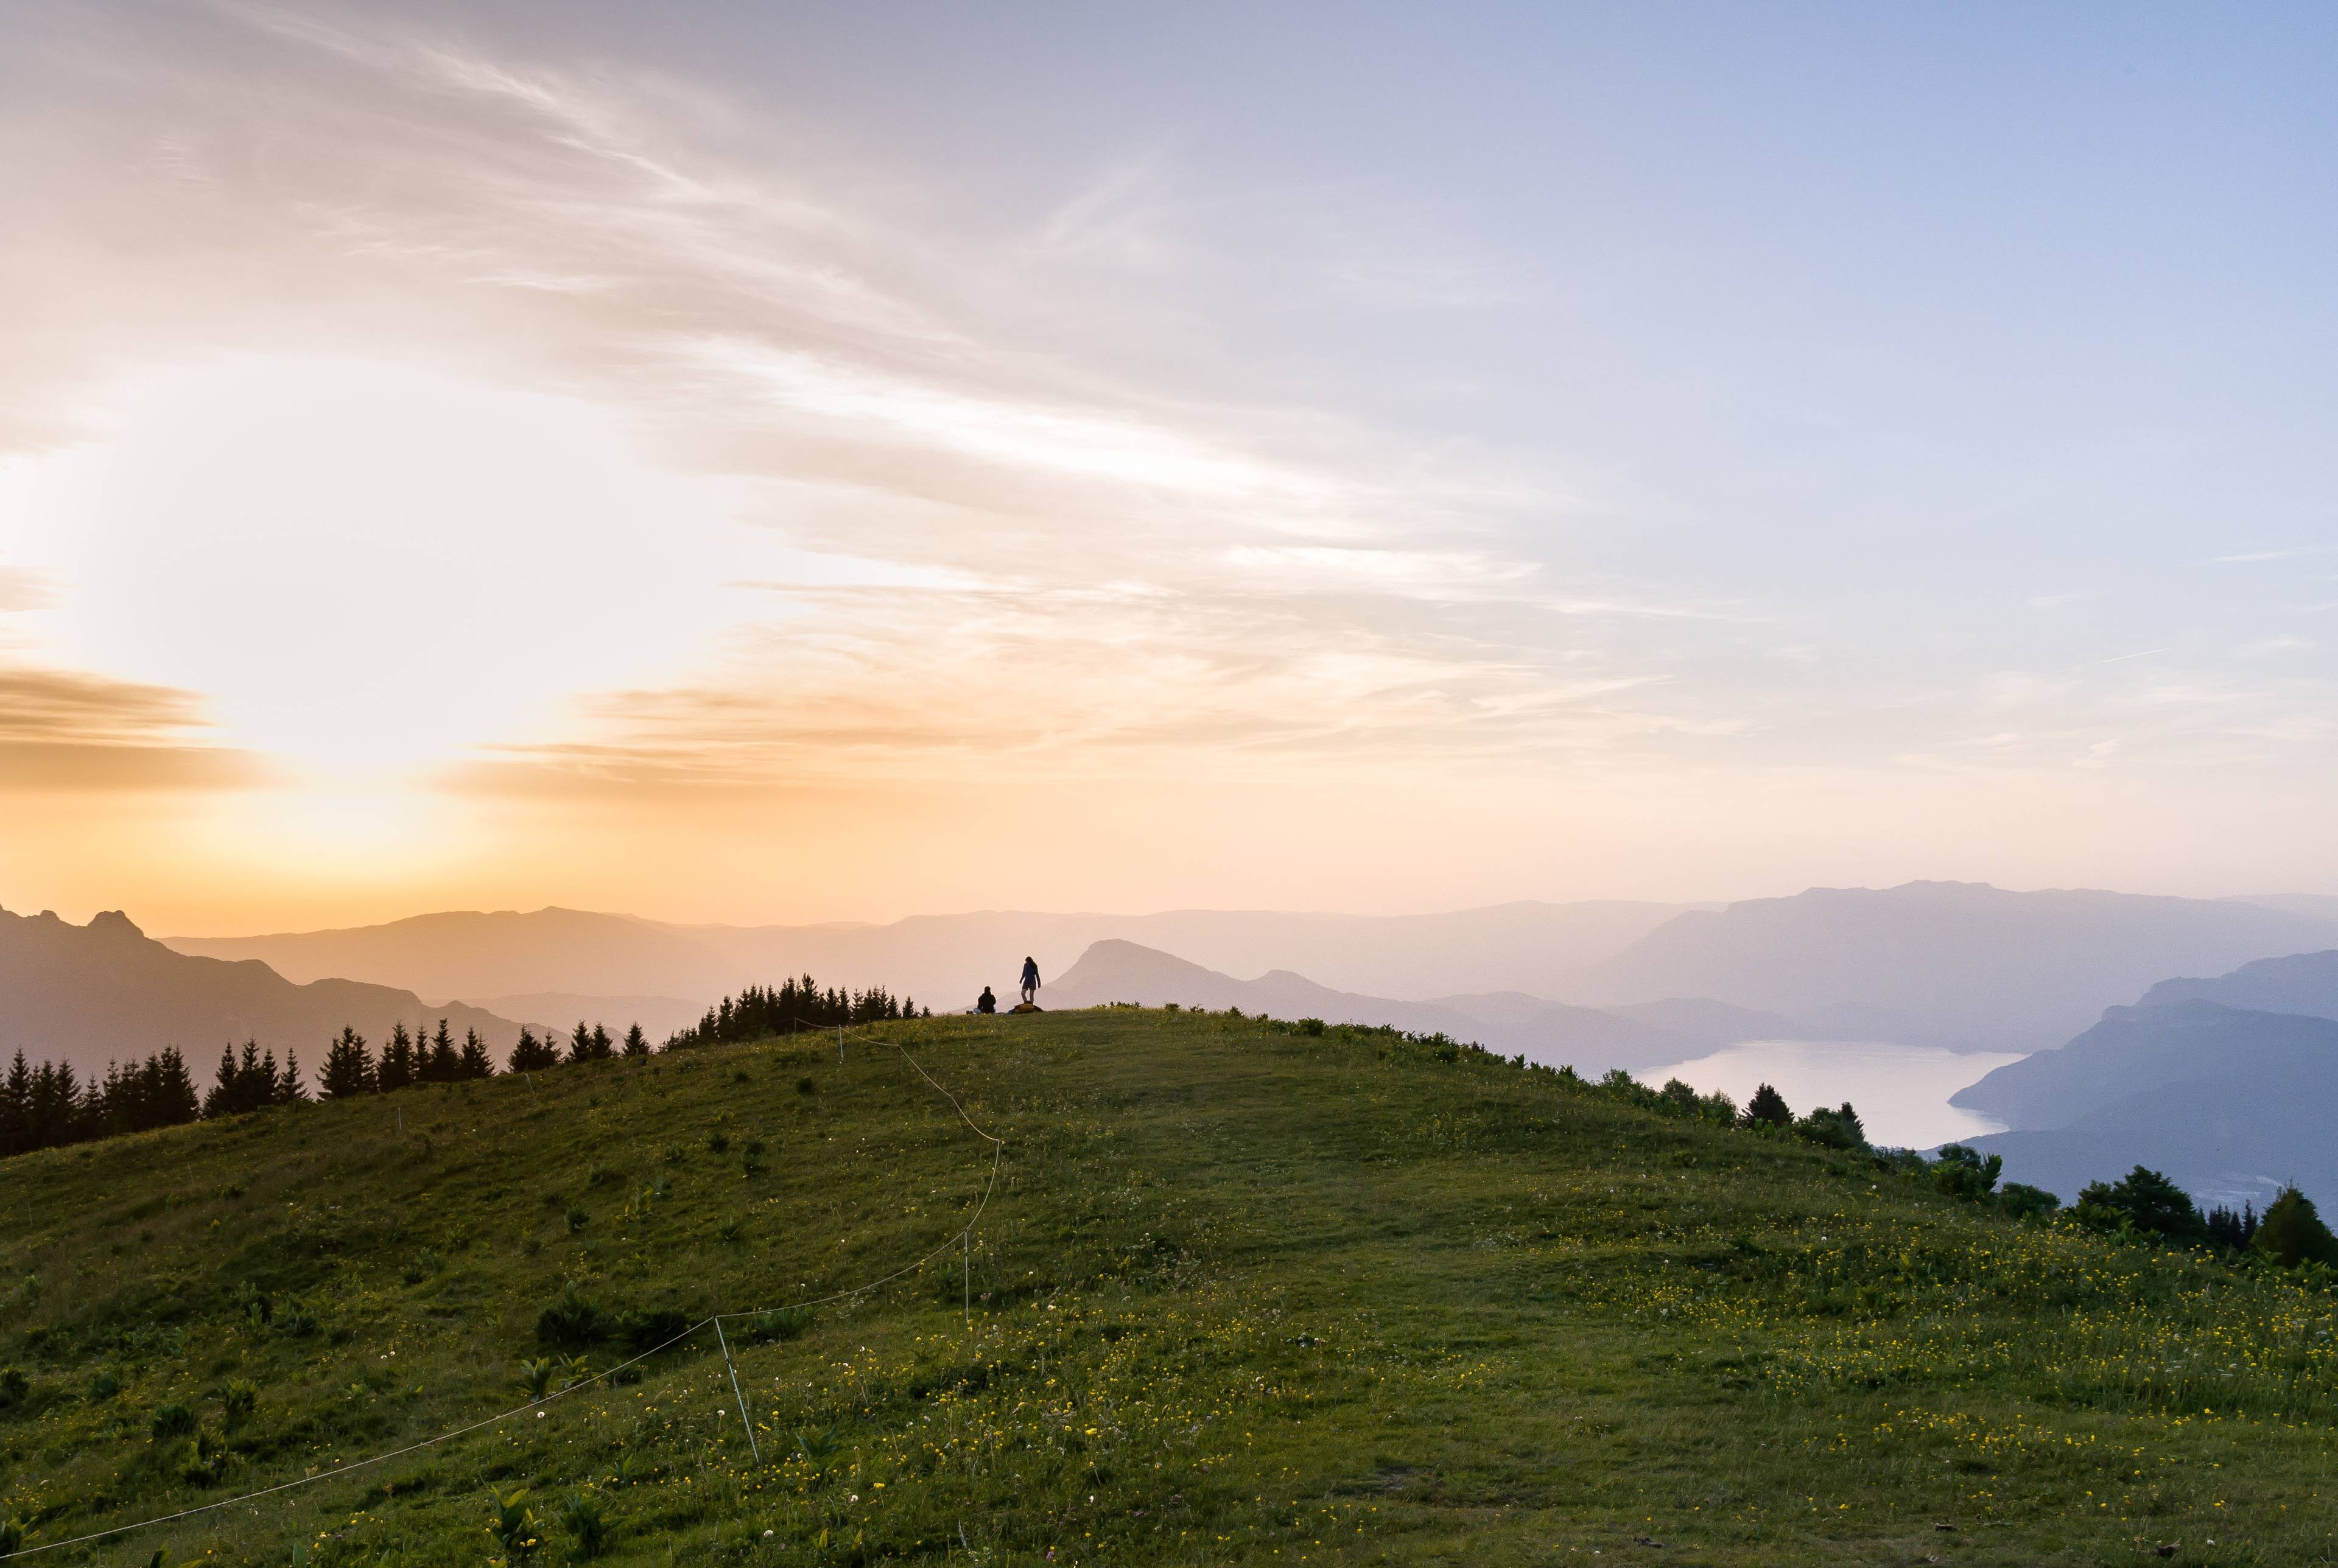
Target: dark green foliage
(761, 1012)
(2291, 1232)
(2023, 1201)
(2232, 1231)
(636, 1043)
(718, 1141)
(2145, 1201)
(12, 1536)
(1832, 1129)
(251, 1082)
(779, 1323)
(806, 1086)
(1310, 1027)
(572, 1322)
(398, 1066)
(237, 1401)
(514, 1523)
(587, 1528)
(1767, 1109)
(577, 1220)
(751, 1156)
(46, 1106)
(475, 1063)
(439, 1062)
(14, 1389)
(1966, 1173)
(654, 1329)
(103, 1385)
(348, 1067)
(173, 1420)
(532, 1054)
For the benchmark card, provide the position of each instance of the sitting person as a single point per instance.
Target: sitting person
(985, 1003)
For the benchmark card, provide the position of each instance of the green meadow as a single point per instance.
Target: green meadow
(1241, 1294)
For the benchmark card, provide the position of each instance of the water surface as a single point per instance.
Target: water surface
(1900, 1092)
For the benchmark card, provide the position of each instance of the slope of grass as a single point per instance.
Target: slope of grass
(1241, 1296)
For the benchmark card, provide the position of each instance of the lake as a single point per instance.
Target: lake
(1900, 1092)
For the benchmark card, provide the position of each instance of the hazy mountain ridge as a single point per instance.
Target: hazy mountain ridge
(2303, 983)
(106, 991)
(1589, 1039)
(1963, 965)
(943, 960)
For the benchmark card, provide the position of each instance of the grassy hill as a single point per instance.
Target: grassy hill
(1241, 1295)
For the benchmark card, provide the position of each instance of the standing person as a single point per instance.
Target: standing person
(985, 1003)
(1030, 979)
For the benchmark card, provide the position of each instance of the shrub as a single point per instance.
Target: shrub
(239, 1400)
(806, 1086)
(655, 1327)
(782, 1323)
(512, 1523)
(206, 1460)
(2148, 1201)
(536, 1376)
(580, 1516)
(1678, 1097)
(2023, 1201)
(173, 1420)
(718, 1141)
(751, 1156)
(103, 1385)
(601, 1175)
(425, 1264)
(577, 1220)
(15, 1388)
(1718, 1108)
(1963, 1172)
(1310, 1027)
(572, 1322)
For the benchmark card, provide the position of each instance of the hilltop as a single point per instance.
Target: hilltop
(1242, 1294)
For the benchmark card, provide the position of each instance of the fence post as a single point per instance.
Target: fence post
(744, 1420)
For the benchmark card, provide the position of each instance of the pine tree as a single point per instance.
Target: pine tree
(2291, 1232)
(440, 1064)
(474, 1062)
(348, 1067)
(532, 1054)
(16, 1108)
(289, 1090)
(580, 1043)
(1767, 1109)
(601, 1046)
(636, 1043)
(397, 1069)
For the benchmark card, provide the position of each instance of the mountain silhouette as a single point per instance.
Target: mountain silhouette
(1963, 965)
(2304, 983)
(1588, 1039)
(2232, 1104)
(106, 991)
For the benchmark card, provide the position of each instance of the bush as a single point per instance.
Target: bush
(580, 1516)
(782, 1323)
(1836, 1129)
(514, 1523)
(173, 1420)
(654, 1328)
(806, 1086)
(536, 1376)
(577, 1220)
(103, 1385)
(239, 1400)
(718, 1142)
(2146, 1201)
(572, 1322)
(2023, 1201)
(1310, 1026)
(1966, 1173)
(751, 1156)
(15, 1388)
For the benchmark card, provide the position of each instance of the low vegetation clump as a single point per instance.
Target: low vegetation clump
(1243, 1292)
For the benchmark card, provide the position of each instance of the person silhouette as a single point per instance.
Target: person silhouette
(985, 1003)
(1030, 979)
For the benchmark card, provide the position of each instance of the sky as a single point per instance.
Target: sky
(839, 462)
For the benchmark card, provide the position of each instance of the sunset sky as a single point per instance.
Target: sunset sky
(779, 462)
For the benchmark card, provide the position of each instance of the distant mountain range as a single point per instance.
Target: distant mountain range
(1958, 964)
(1589, 1039)
(2303, 983)
(2231, 1103)
(944, 960)
(106, 991)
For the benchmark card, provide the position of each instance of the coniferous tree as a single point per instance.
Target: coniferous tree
(532, 1054)
(2291, 1232)
(2147, 1201)
(1767, 1109)
(580, 1043)
(396, 1070)
(245, 1083)
(474, 1062)
(441, 1065)
(15, 1108)
(636, 1043)
(601, 1043)
(348, 1067)
(2232, 1231)
(289, 1090)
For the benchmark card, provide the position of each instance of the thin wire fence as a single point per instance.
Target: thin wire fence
(960, 1238)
